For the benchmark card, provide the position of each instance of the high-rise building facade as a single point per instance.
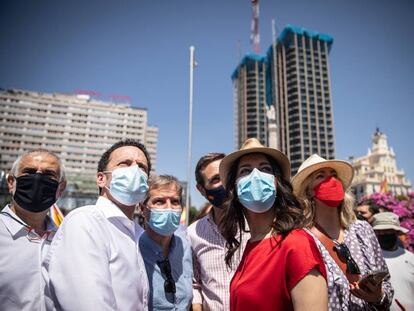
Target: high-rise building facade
(76, 127)
(249, 81)
(287, 92)
(377, 171)
(301, 94)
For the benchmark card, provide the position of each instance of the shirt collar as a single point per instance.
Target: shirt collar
(111, 211)
(14, 227)
(156, 248)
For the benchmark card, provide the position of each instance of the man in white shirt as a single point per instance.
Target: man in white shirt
(212, 277)
(400, 261)
(35, 182)
(94, 262)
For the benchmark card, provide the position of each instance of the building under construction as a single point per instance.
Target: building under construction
(299, 89)
(283, 98)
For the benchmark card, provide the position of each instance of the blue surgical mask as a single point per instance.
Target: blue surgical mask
(128, 185)
(257, 191)
(164, 221)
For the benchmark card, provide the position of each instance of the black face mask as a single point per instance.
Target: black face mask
(35, 192)
(360, 217)
(216, 196)
(387, 241)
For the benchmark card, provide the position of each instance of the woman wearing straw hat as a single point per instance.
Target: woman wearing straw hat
(349, 246)
(281, 268)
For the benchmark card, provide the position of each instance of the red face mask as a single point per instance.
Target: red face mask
(330, 192)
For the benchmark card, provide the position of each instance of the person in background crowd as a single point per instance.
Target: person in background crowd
(211, 276)
(349, 246)
(281, 268)
(167, 255)
(35, 182)
(366, 210)
(94, 262)
(400, 261)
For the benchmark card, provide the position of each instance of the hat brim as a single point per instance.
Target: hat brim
(388, 227)
(344, 171)
(228, 161)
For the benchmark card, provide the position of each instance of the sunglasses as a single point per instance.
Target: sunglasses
(345, 256)
(165, 267)
(31, 235)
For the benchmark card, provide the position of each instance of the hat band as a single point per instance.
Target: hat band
(392, 223)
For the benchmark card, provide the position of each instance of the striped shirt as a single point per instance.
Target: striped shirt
(211, 281)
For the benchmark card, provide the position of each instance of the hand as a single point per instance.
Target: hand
(370, 292)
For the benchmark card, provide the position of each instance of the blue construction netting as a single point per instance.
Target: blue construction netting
(248, 59)
(286, 36)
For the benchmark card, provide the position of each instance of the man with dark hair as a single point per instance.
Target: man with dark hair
(211, 277)
(366, 210)
(95, 257)
(35, 182)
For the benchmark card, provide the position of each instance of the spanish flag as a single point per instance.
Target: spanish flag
(384, 185)
(56, 215)
(183, 219)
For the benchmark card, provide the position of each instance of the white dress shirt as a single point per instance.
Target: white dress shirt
(94, 262)
(21, 255)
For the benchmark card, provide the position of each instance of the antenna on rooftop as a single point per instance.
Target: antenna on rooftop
(254, 35)
(274, 33)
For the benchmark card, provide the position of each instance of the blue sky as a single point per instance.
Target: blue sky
(141, 49)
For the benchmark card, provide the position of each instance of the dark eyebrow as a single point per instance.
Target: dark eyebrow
(245, 165)
(29, 169)
(264, 163)
(214, 177)
(123, 160)
(50, 172)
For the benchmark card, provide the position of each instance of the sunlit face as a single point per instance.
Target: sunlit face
(122, 157)
(42, 163)
(251, 161)
(319, 176)
(165, 197)
(127, 156)
(211, 175)
(363, 210)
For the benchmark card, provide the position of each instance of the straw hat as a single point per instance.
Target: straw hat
(343, 169)
(387, 220)
(252, 145)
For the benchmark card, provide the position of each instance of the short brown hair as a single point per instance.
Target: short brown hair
(158, 181)
(203, 162)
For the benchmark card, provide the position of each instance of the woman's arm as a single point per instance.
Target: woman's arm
(310, 293)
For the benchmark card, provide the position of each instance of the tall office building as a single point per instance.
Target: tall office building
(293, 79)
(76, 127)
(301, 94)
(249, 81)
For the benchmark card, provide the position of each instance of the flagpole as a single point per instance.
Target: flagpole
(190, 129)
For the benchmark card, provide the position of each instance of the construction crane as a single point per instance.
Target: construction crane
(255, 35)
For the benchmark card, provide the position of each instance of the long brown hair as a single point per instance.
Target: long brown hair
(287, 210)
